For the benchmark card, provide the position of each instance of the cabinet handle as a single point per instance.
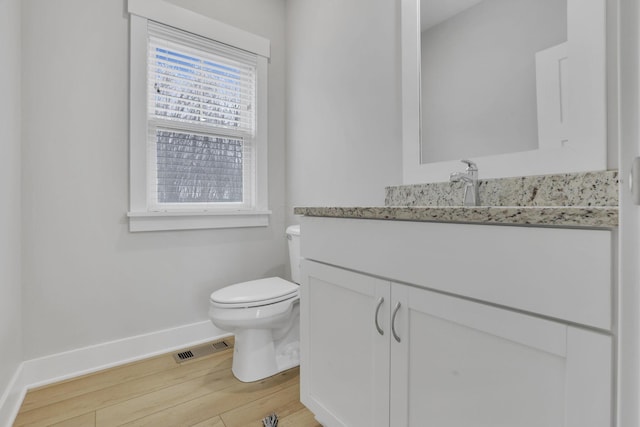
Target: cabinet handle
(380, 301)
(393, 322)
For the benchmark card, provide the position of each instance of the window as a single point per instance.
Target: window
(198, 121)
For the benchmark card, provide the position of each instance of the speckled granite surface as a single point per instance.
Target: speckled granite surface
(577, 189)
(587, 199)
(559, 216)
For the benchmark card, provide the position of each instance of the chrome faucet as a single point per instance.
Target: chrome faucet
(470, 179)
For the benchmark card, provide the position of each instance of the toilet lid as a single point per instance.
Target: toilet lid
(255, 292)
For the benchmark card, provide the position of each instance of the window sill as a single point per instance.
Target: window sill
(157, 221)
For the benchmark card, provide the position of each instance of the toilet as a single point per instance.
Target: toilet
(264, 316)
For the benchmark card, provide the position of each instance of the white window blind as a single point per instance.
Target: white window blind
(201, 122)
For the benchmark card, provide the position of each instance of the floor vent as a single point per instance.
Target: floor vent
(200, 351)
(185, 355)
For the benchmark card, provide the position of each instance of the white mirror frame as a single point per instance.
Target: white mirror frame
(587, 146)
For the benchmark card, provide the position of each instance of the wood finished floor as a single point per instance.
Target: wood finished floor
(160, 392)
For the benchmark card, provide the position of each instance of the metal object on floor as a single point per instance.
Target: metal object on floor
(270, 421)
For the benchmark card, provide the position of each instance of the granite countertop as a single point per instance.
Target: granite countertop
(585, 199)
(558, 216)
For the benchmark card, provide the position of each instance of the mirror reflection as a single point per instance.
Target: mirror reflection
(492, 77)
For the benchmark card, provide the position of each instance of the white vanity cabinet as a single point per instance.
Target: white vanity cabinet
(376, 352)
(461, 364)
(345, 373)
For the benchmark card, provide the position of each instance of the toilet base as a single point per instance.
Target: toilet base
(261, 353)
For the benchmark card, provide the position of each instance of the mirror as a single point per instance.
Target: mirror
(478, 74)
(518, 86)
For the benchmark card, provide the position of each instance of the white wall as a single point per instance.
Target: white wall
(343, 101)
(86, 279)
(479, 78)
(10, 291)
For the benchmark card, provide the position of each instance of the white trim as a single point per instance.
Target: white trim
(58, 367)
(587, 146)
(141, 217)
(12, 398)
(260, 140)
(155, 221)
(411, 77)
(185, 19)
(138, 115)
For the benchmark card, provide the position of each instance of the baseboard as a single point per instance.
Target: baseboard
(58, 367)
(11, 399)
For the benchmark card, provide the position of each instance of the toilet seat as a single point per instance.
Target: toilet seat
(254, 293)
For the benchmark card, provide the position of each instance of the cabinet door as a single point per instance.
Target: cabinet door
(460, 363)
(344, 369)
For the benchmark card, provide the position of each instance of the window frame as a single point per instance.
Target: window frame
(142, 216)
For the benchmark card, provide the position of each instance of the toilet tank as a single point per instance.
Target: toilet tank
(293, 237)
